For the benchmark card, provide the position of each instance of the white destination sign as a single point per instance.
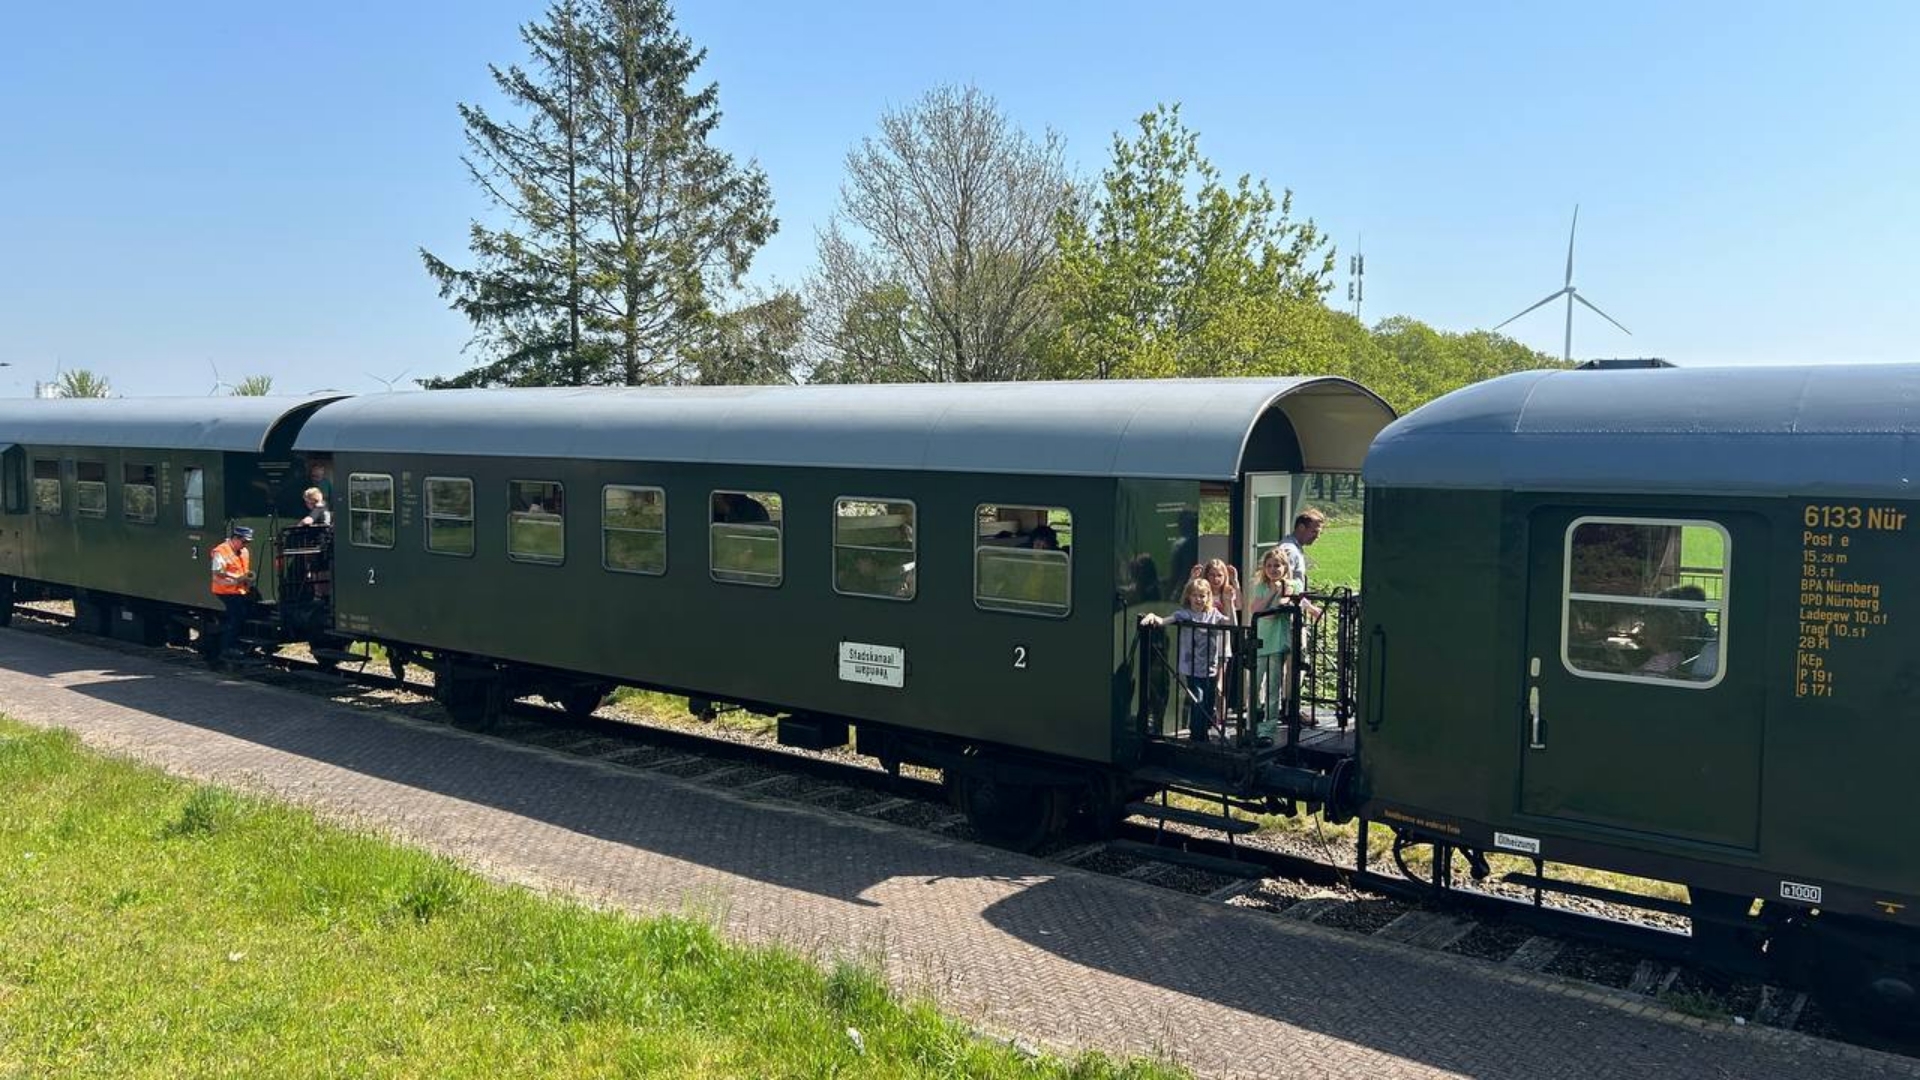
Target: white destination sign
(878, 665)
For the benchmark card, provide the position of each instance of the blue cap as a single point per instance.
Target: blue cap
(243, 532)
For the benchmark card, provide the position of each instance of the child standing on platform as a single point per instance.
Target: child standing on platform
(1203, 653)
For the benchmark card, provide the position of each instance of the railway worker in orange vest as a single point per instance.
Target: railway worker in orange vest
(232, 582)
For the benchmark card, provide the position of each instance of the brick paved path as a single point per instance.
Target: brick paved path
(1061, 957)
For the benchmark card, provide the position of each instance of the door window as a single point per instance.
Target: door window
(1644, 601)
(196, 498)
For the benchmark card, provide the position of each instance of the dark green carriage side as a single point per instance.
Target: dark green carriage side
(1780, 776)
(1000, 676)
(96, 493)
(1124, 460)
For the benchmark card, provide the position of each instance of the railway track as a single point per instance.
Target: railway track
(1287, 878)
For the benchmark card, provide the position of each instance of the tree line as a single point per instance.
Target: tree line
(86, 383)
(962, 248)
(619, 237)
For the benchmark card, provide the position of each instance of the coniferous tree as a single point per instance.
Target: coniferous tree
(626, 225)
(757, 342)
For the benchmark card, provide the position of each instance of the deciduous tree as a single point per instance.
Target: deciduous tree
(1169, 270)
(1410, 363)
(934, 268)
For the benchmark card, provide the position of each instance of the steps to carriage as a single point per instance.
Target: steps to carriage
(1200, 818)
(337, 656)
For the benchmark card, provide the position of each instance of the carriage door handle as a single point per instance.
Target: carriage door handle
(1534, 741)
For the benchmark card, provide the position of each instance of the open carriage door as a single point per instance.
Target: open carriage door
(1641, 706)
(1268, 514)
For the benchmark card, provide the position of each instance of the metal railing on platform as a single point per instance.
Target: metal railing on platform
(1251, 686)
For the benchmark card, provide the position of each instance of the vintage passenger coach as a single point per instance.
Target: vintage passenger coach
(1658, 622)
(118, 502)
(955, 569)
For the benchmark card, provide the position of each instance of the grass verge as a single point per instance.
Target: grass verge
(152, 928)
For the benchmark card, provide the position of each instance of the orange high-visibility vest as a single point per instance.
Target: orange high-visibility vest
(230, 569)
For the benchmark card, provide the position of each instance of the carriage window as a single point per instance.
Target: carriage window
(633, 529)
(370, 509)
(450, 515)
(1022, 559)
(196, 498)
(537, 522)
(873, 548)
(743, 538)
(139, 492)
(46, 486)
(90, 489)
(1646, 600)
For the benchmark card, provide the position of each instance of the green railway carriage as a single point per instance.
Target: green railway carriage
(118, 503)
(1653, 621)
(856, 553)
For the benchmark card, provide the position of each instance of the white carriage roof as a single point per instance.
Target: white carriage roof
(1817, 429)
(1170, 428)
(181, 423)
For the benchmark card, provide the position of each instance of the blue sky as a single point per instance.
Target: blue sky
(245, 186)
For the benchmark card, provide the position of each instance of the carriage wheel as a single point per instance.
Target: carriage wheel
(581, 701)
(1009, 814)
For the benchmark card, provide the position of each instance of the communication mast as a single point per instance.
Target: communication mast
(1356, 277)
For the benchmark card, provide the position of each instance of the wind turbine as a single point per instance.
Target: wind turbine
(219, 383)
(389, 382)
(1571, 294)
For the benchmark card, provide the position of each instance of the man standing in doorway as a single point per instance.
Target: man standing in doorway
(232, 580)
(1293, 549)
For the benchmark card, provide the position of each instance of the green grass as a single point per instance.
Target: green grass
(1334, 559)
(151, 928)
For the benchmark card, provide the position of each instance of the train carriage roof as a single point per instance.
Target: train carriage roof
(241, 424)
(1830, 429)
(1168, 428)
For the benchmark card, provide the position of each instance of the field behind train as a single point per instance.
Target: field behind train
(1334, 560)
(153, 928)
